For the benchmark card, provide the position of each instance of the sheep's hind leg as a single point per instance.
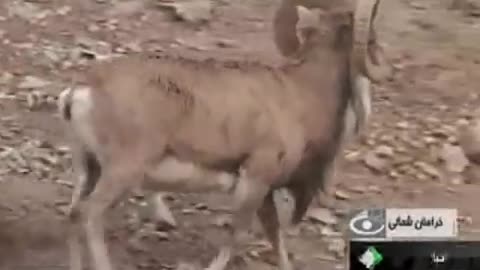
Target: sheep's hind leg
(269, 219)
(116, 180)
(87, 169)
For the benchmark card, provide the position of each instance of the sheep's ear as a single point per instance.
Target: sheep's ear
(307, 23)
(307, 18)
(291, 23)
(284, 28)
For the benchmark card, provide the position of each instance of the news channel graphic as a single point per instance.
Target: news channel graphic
(417, 255)
(403, 223)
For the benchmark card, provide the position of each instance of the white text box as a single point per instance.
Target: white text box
(421, 223)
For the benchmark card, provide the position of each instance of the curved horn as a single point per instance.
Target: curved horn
(362, 54)
(284, 28)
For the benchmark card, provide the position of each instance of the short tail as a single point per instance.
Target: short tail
(64, 104)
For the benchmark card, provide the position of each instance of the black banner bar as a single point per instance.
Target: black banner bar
(417, 255)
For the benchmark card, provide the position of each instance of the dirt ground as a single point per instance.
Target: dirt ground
(436, 54)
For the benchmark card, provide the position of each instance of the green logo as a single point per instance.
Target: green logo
(371, 257)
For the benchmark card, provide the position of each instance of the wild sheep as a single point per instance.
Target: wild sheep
(171, 124)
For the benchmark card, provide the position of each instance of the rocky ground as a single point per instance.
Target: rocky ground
(414, 154)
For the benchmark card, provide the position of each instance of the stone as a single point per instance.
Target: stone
(322, 215)
(374, 162)
(384, 151)
(472, 175)
(193, 11)
(32, 82)
(454, 158)
(469, 140)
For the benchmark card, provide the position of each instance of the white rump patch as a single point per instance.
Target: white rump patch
(62, 100)
(82, 105)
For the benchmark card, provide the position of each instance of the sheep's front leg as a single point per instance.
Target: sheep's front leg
(269, 219)
(256, 178)
(248, 196)
(325, 195)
